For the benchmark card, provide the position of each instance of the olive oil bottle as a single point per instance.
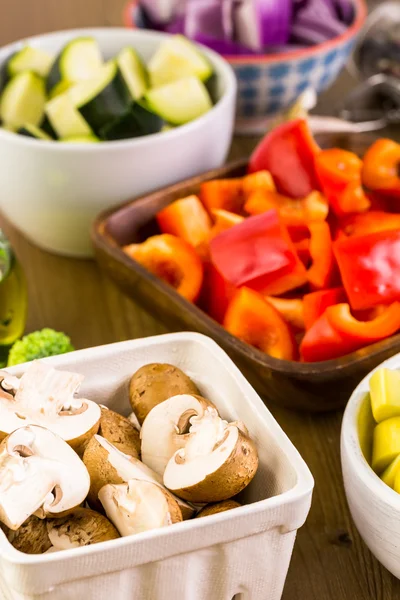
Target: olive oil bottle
(13, 298)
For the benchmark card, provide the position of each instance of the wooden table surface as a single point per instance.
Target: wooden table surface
(330, 562)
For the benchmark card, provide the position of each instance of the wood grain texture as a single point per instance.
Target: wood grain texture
(330, 562)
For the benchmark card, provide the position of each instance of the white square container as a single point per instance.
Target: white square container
(244, 552)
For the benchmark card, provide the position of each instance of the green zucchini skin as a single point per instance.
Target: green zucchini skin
(4, 76)
(112, 102)
(136, 122)
(54, 76)
(34, 132)
(47, 128)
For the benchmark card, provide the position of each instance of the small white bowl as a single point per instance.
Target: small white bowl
(52, 191)
(374, 506)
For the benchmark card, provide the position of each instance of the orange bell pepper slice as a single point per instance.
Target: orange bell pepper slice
(171, 259)
(321, 272)
(261, 180)
(339, 172)
(291, 309)
(303, 251)
(381, 167)
(225, 194)
(337, 332)
(370, 222)
(316, 303)
(253, 320)
(187, 219)
(223, 220)
(293, 212)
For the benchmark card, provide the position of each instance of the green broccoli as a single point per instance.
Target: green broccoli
(39, 344)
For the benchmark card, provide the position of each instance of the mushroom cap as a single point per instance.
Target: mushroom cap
(211, 468)
(165, 429)
(81, 527)
(45, 397)
(38, 470)
(217, 507)
(31, 537)
(120, 432)
(138, 506)
(153, 384)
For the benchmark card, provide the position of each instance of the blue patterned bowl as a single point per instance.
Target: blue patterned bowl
(270, 83)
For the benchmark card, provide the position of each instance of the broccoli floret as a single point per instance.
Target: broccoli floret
(39, 344)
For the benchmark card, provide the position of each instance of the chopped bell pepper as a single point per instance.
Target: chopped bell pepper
(291, 309)
(303, 251)
(261, 180)
(171, 259)
(369, 222)
(321, 272)
(316, 303)
(252, 319)
(288, 153)
(337, 332)
(370, 268)
(225, 194)
(258, 253)
(339, 172)
(381, 170)
(216, 293)
(223, 220)
(187, 219)
(292, 211)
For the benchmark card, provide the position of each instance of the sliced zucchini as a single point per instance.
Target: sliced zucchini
(133, 71)
(79, 60)
(30, 59)
(181, 101)
(81, 139)
(34, 132)
(177, 58)
(103, 98)
(60, 88)
(136, 122)
(23, 100)
(65, 119)
(47, 127)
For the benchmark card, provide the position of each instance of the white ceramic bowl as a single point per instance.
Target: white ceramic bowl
(52, 191)
(374, 506)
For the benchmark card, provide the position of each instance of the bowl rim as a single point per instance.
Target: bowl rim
(223, 69)
(350, 449)
(360, 17)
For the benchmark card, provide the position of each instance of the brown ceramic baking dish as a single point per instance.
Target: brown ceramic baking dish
(307, 386)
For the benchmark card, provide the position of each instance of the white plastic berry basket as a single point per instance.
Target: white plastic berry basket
(243, 553)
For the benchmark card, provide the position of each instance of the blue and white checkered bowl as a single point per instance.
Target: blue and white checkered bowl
(269, 84)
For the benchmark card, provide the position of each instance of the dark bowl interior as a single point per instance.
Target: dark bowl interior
(313, 387)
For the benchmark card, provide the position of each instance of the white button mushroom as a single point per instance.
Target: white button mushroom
(39, 471)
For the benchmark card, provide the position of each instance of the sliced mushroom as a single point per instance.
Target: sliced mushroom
(120, 432)
(166, 428)
(39, 471)
(138, 506)
(31, 537)
(155, 383)
(213, 509)
(216, 463)
(81, 527)
(107, 465)
(45, 396)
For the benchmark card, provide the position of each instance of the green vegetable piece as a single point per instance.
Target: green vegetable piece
(390, 473)
(384, 388)
(138, 121)
(60, 88)
(133, 71)
(81, 139)
(79, 60)
(39, 344)
(23, 100)
(181, 101)
(65, 119)
(386, 444)
(30, 59)
(34, 132)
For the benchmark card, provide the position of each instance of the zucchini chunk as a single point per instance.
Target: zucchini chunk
(177, 58)
(34, 132)
(181, 101)
(65, 119)
(103, 98)
(81, 139)
(61, 87)
(133, 71)
(136, 122)
(23, 100)
(78, 61)
(30, 59)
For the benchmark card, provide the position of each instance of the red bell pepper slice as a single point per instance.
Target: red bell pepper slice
(225, 194)
(288, 153)
(339, 173)
(216, 293)
(370, 222)
(381, 167)
(316, 303)
(337, 332)
(252, 319)
(187, 219)
(321, 272)
(370, 268)
(258, 253)
(293, 211)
